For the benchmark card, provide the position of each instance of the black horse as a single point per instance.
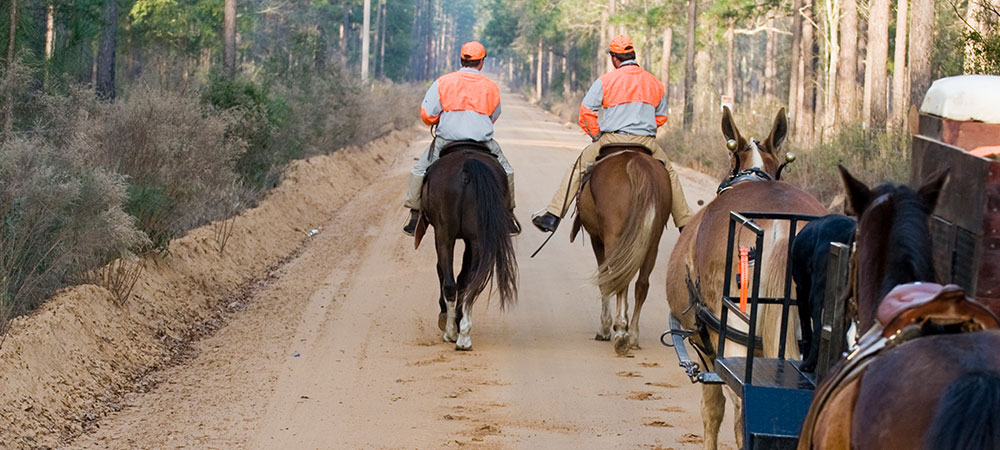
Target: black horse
(810, 253)
(465, 196)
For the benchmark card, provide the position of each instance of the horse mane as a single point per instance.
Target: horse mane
(910, 257)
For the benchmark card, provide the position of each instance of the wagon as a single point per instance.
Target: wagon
(776, 392)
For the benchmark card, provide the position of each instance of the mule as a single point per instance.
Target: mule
(940, 390)
(624, 206)
(465, 196)
(697, 265)
(810, 253)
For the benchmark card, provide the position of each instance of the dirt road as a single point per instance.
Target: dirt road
(340, 348)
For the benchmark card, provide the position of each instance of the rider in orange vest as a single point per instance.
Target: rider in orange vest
(464, 105)
(633, 107)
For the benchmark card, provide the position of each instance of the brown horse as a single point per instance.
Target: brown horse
(465, 197)
(938, 391)
(624, 207)
(697, 265)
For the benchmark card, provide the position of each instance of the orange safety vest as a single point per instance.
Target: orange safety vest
(629, 83)
(464, 91)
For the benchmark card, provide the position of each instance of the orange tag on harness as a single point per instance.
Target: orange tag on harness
(744, 271)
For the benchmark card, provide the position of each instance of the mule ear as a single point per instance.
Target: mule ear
(729, 129)
(778, 131)
(931, 189)
(858, 194)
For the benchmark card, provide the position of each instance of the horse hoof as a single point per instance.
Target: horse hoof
(463, 343)
(442, 320)
(449, 338)
(602, 337)
(621, 345)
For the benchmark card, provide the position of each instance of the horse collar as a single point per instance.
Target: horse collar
(751, 174)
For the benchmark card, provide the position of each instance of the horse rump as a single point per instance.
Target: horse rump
(494, 225)
(968, 416)
(625, 260)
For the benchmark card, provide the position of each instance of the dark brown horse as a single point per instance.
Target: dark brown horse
(938, 391)
(698, 259)
(624, 207)
(465, 197)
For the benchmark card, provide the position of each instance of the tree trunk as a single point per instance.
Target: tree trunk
(689, 75)
(730, 63)
(8, 104)
(921, 50)
(378, 35)
(874, 111)
(832, 64)
(366, 33)
(807, 85)
(229, 38)
(770, 66)
(972, 15)
(345, 27)
(381, 41)
(538, 72)
(612, 32)
(549, 71)
(668, 42)
(847, 73)
(795, 67)
(106, 52)
(899, 88)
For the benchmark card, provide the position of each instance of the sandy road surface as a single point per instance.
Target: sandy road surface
(341, 348)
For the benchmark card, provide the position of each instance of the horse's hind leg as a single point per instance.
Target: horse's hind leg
(621, 324)
(603, 333)
(446, 275)
(641, 290)
(469, 266)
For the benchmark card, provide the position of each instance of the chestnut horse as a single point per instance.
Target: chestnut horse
(624, 207)
(939, 391)
(465, 197)
(697, 265)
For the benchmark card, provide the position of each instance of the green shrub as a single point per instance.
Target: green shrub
(260, 116)
(59, 217)
(177, 155)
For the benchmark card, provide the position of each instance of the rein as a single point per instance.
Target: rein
(565, 206)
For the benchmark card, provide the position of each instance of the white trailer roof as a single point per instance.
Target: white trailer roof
(964, 98)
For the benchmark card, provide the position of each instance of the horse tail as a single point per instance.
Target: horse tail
(494, 224)
(773, 285)
(624, 261)
(968, 416)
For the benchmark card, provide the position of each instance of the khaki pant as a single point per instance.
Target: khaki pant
(432, 154)
(571, 180)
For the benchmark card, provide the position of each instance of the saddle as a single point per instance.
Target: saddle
(608, 150)
(926, 304)
(908, 311)
(456, 146)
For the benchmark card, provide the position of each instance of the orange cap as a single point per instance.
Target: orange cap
(473, 51)
(621, 44)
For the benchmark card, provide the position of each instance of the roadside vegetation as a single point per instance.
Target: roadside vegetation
(99, 169)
